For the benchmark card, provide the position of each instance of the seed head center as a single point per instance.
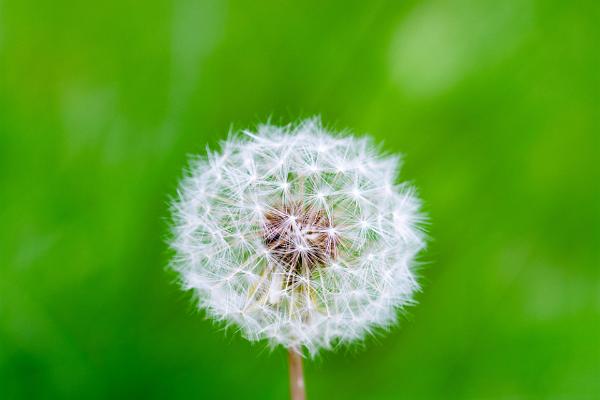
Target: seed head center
(300, 237)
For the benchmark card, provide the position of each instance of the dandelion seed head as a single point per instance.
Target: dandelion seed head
(298, 236)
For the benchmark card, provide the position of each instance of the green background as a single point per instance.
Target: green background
(494, 104)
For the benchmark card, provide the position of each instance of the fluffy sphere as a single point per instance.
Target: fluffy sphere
(298, 235)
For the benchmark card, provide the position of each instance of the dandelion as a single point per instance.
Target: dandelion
(298, 236)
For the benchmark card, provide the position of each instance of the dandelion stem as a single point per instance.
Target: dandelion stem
(297, 390)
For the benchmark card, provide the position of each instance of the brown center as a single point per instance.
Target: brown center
(300, 238)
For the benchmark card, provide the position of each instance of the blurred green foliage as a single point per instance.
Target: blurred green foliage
(494, 103)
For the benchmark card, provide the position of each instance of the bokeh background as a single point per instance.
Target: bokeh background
(494, 104)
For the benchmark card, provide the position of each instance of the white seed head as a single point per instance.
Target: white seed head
(298, 236)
